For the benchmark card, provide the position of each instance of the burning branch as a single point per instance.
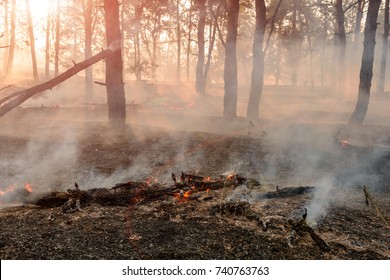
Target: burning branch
(21, 96)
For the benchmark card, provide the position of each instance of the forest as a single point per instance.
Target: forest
(129, 128)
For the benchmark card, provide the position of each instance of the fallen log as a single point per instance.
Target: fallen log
(130, 193)
(286, 192)
(19, 97)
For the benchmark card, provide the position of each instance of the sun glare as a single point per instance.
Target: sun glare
(38, 8)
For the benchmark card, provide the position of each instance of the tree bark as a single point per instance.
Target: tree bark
(32, 41)
(57, 41)
(361, 108)
(178, 31)
(6, 36)
(200, 81)
(230, 68)
(382, 72)
(19, 97)
(114, 65)
(342, 45)
(11, 51)
(47, 48)
(257, 78)
(88, 47)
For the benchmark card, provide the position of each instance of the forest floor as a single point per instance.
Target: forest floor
(219, 224)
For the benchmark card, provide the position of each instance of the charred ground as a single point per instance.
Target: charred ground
(220, 227)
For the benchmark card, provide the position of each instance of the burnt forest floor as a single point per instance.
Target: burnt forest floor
(218, 224)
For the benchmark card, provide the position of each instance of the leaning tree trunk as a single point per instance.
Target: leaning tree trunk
(114, 65)
(361, 108)
(382, 72)
(230, 68)
(257, 78)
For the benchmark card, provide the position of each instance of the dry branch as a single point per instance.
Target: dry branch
(21, 96)
(370, 199)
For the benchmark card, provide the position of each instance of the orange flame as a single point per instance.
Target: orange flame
(207, 179)
(28, 187)
(182, 196)
(344, 142)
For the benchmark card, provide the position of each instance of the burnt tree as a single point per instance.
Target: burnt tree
(361, 108)
(257, 79)
(87, 12)
(230, 68)
(114, 65)
(382, 72)
(200, 78)
(342, 44)
(32, 40)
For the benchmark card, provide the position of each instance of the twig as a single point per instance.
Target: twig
(370, 199)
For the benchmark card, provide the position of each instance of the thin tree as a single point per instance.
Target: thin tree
(342, 44)
(382, 72)
(47, 45)
(230, 68)
(11, 50)
(200, 82)
(114, 65)
(257, 78)
(361, 108)
(32, 40)
(87, 11)
(178, 33)
(57, 40)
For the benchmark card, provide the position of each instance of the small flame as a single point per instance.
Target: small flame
(344, 142)
(207, 179)
(28, 187)
(183, 196)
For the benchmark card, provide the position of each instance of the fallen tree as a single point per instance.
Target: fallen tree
(17, 98)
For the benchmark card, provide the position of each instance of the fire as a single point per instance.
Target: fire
(182, 196)
(207, 179)
(28, 187)
(14, 187)
(344, 142)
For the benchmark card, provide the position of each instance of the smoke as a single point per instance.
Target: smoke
(44, 164)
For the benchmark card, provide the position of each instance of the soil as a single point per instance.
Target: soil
(220, 223)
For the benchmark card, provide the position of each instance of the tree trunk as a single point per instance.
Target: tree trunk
(189, 42)
(88, 48)
(200, 80)
(359, 17)
(47, 48)
(296, 47)
(382, 72)
(32, 41)
(178, 31)
(6, 36)
(213, 34)
(114, 65)
(361, 108)
(57, 40)
(11, 51)
(257, 78)
(230, 68)
(15, 99)
(342, 44)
